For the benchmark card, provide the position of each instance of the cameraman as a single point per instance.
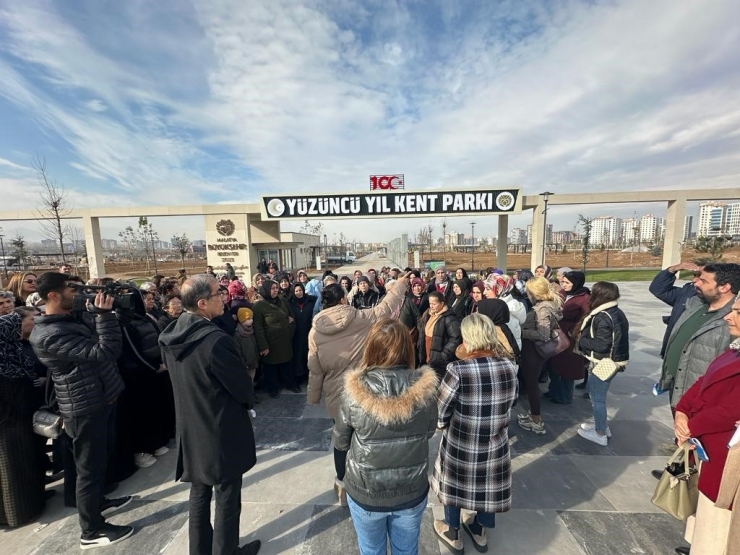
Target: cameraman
(80, 349)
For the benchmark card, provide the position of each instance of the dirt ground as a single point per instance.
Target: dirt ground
(596, 260)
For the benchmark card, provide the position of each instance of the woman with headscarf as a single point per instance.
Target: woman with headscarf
(237, 298)
(418, 295)
(274, 325)
(302, 307)
(22, 285)
(568, 366)
(285, 290)
(502, 287)
(462, 301)
(22, 480)
(498, 312)
(476, 293)
(543, 270)
(519, 291)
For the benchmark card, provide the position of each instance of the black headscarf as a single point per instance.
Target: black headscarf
(577, 279)
(293, 298)
(265, 291)
(464, 286)
(498, 311)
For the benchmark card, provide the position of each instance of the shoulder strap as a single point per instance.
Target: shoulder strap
(135, 350)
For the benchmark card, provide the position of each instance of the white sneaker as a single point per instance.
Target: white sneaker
(591, 435)
(161, 451)
(591, 426)
(144, 460)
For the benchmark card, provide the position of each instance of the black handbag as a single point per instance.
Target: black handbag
(47, 422)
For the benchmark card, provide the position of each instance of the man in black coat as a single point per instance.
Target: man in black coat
(80, 350)
(213, 396)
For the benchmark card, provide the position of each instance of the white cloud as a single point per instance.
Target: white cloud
(571, 96)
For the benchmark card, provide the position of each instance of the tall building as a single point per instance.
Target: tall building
(606, 230)
(712, 219)
(631, 231)
(652, 228)
(518, 236)
(732, 219)
(563, 237)
(688, 227)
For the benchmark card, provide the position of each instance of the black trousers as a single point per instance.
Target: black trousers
(223, 537)
(93, 440)
(275, 374)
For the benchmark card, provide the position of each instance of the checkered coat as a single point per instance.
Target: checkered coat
(473, 466)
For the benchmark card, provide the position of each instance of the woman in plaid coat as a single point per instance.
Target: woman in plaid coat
(473, 466)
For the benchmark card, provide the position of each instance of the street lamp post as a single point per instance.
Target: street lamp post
(5, 265)
(472, 251)
(326, 251)
(154, 254)
(546, 197)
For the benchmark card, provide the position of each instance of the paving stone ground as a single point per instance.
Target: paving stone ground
(571, 497)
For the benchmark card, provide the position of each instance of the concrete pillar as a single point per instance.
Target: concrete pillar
(502, 245)
(538, 225)
(94, 247)
(674, 224)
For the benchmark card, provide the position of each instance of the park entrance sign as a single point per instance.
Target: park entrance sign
(392, 204)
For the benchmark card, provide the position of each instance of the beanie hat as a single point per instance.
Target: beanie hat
(364, 279)
(244, 314)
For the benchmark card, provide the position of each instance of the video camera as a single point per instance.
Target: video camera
(122, 298)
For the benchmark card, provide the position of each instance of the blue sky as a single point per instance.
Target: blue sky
(177, 102)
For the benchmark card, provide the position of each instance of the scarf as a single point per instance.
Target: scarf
(498, 311)
(266, 294)
(577, 279)
(429, 328)
(14, 362)
(464, 288)
(245, 331)
(463, 354)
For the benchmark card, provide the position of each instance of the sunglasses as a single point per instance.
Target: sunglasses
(29, 281)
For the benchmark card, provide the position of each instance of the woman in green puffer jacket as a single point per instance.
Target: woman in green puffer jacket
(387, 414)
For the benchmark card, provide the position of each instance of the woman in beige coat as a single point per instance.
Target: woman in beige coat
(336, 343)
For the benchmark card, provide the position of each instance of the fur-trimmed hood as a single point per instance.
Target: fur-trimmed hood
(391, 395)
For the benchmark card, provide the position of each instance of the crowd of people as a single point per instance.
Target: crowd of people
(396, 355)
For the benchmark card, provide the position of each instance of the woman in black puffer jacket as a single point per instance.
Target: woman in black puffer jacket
(387, 414)
(603, 333)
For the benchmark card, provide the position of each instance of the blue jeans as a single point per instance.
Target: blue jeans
(452, 517)
(373, 529)
(561, 390)
(597, 389)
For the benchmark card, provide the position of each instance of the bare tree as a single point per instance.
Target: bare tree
(77, 237)
(430, 229)
(181, 244)
(312, 229)
(129, 238)
(52, 206)
(422, 239)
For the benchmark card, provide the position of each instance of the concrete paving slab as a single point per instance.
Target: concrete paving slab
(613, 533)
(312, 434)
(624, 481)
(554, 483)
(156, 523)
